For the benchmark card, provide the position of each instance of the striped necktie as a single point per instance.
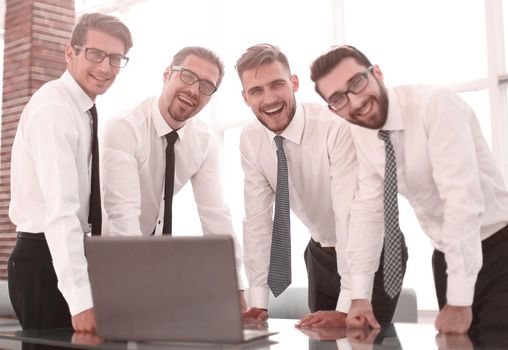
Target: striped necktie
(279, 273)
(392, 260)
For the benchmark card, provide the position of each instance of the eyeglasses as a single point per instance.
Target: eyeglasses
(97, 56)
(189, 78)
(357, 85)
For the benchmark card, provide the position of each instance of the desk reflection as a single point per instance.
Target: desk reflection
(391, 337)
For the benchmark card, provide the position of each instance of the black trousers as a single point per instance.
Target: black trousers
(33, 290)
(490, 300)
(324, 283)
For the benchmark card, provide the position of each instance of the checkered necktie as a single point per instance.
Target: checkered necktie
(279, 274)
(392, 262)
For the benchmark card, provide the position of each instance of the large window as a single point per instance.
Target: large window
(455, 42)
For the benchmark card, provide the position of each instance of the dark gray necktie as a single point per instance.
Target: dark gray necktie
(95, 213)
(392, 262)
(279, 273)
(169, 182)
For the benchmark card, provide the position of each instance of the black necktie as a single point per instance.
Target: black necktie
(95, 214)
(169, 182)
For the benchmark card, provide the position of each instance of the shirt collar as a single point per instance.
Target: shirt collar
(78, 95)
(294, 130)
(162, 128)
(394, 120)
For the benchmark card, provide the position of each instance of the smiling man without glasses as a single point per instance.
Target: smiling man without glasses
(151, 152)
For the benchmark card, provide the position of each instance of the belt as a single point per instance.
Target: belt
(496, 238)
(326, 249)
(29, 235)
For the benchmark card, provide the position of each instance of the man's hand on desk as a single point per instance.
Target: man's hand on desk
(259, 315)
(323, 319)
(454, 319)
(243, 302)
(84, 321)
(361, 315)
(324, 333)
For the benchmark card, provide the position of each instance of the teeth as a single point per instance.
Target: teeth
(186, 100)
(99, 78)
(365, 108)
(274, 109)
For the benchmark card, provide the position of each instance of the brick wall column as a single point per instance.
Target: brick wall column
(36, 32)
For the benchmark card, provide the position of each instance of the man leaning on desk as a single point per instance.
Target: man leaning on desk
(296, 156)
(425, 143)
(55, 192)
(152, 151)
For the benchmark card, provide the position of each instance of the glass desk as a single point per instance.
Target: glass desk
(398, 336)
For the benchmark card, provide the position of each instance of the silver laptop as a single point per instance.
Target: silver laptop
(166, 288)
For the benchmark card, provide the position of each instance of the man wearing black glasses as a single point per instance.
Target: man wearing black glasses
(425, 143)
(55, 190)
(151, 152)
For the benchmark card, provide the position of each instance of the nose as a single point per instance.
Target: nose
(269, 97)
(194, 88)
(104, 66)
(355, 101)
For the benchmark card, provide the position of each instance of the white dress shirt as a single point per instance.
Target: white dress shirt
(322, 173)
(446, 171)
(50, 180)
(133, 164)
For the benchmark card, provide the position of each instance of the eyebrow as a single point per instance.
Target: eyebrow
(270, 83)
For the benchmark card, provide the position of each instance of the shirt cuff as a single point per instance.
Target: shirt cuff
(344, 302)
(362, 286)
(460, 291)
(81, 300)
(344, 344)
(258, 297)
(239, 278)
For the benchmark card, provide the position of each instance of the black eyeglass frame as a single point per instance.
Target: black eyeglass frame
(195, 79)
(362, 75)
(123, 59)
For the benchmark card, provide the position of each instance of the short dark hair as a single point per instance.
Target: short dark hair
(325, 63)
(103, 23)
(258, 55)
(202, 52)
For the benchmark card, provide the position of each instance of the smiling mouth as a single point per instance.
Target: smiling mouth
(272, 111)
(364, 109)
(186, 100)
(99, 78)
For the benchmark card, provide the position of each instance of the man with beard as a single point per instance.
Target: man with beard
(441, 163)
(159, 139)
(315, 150)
